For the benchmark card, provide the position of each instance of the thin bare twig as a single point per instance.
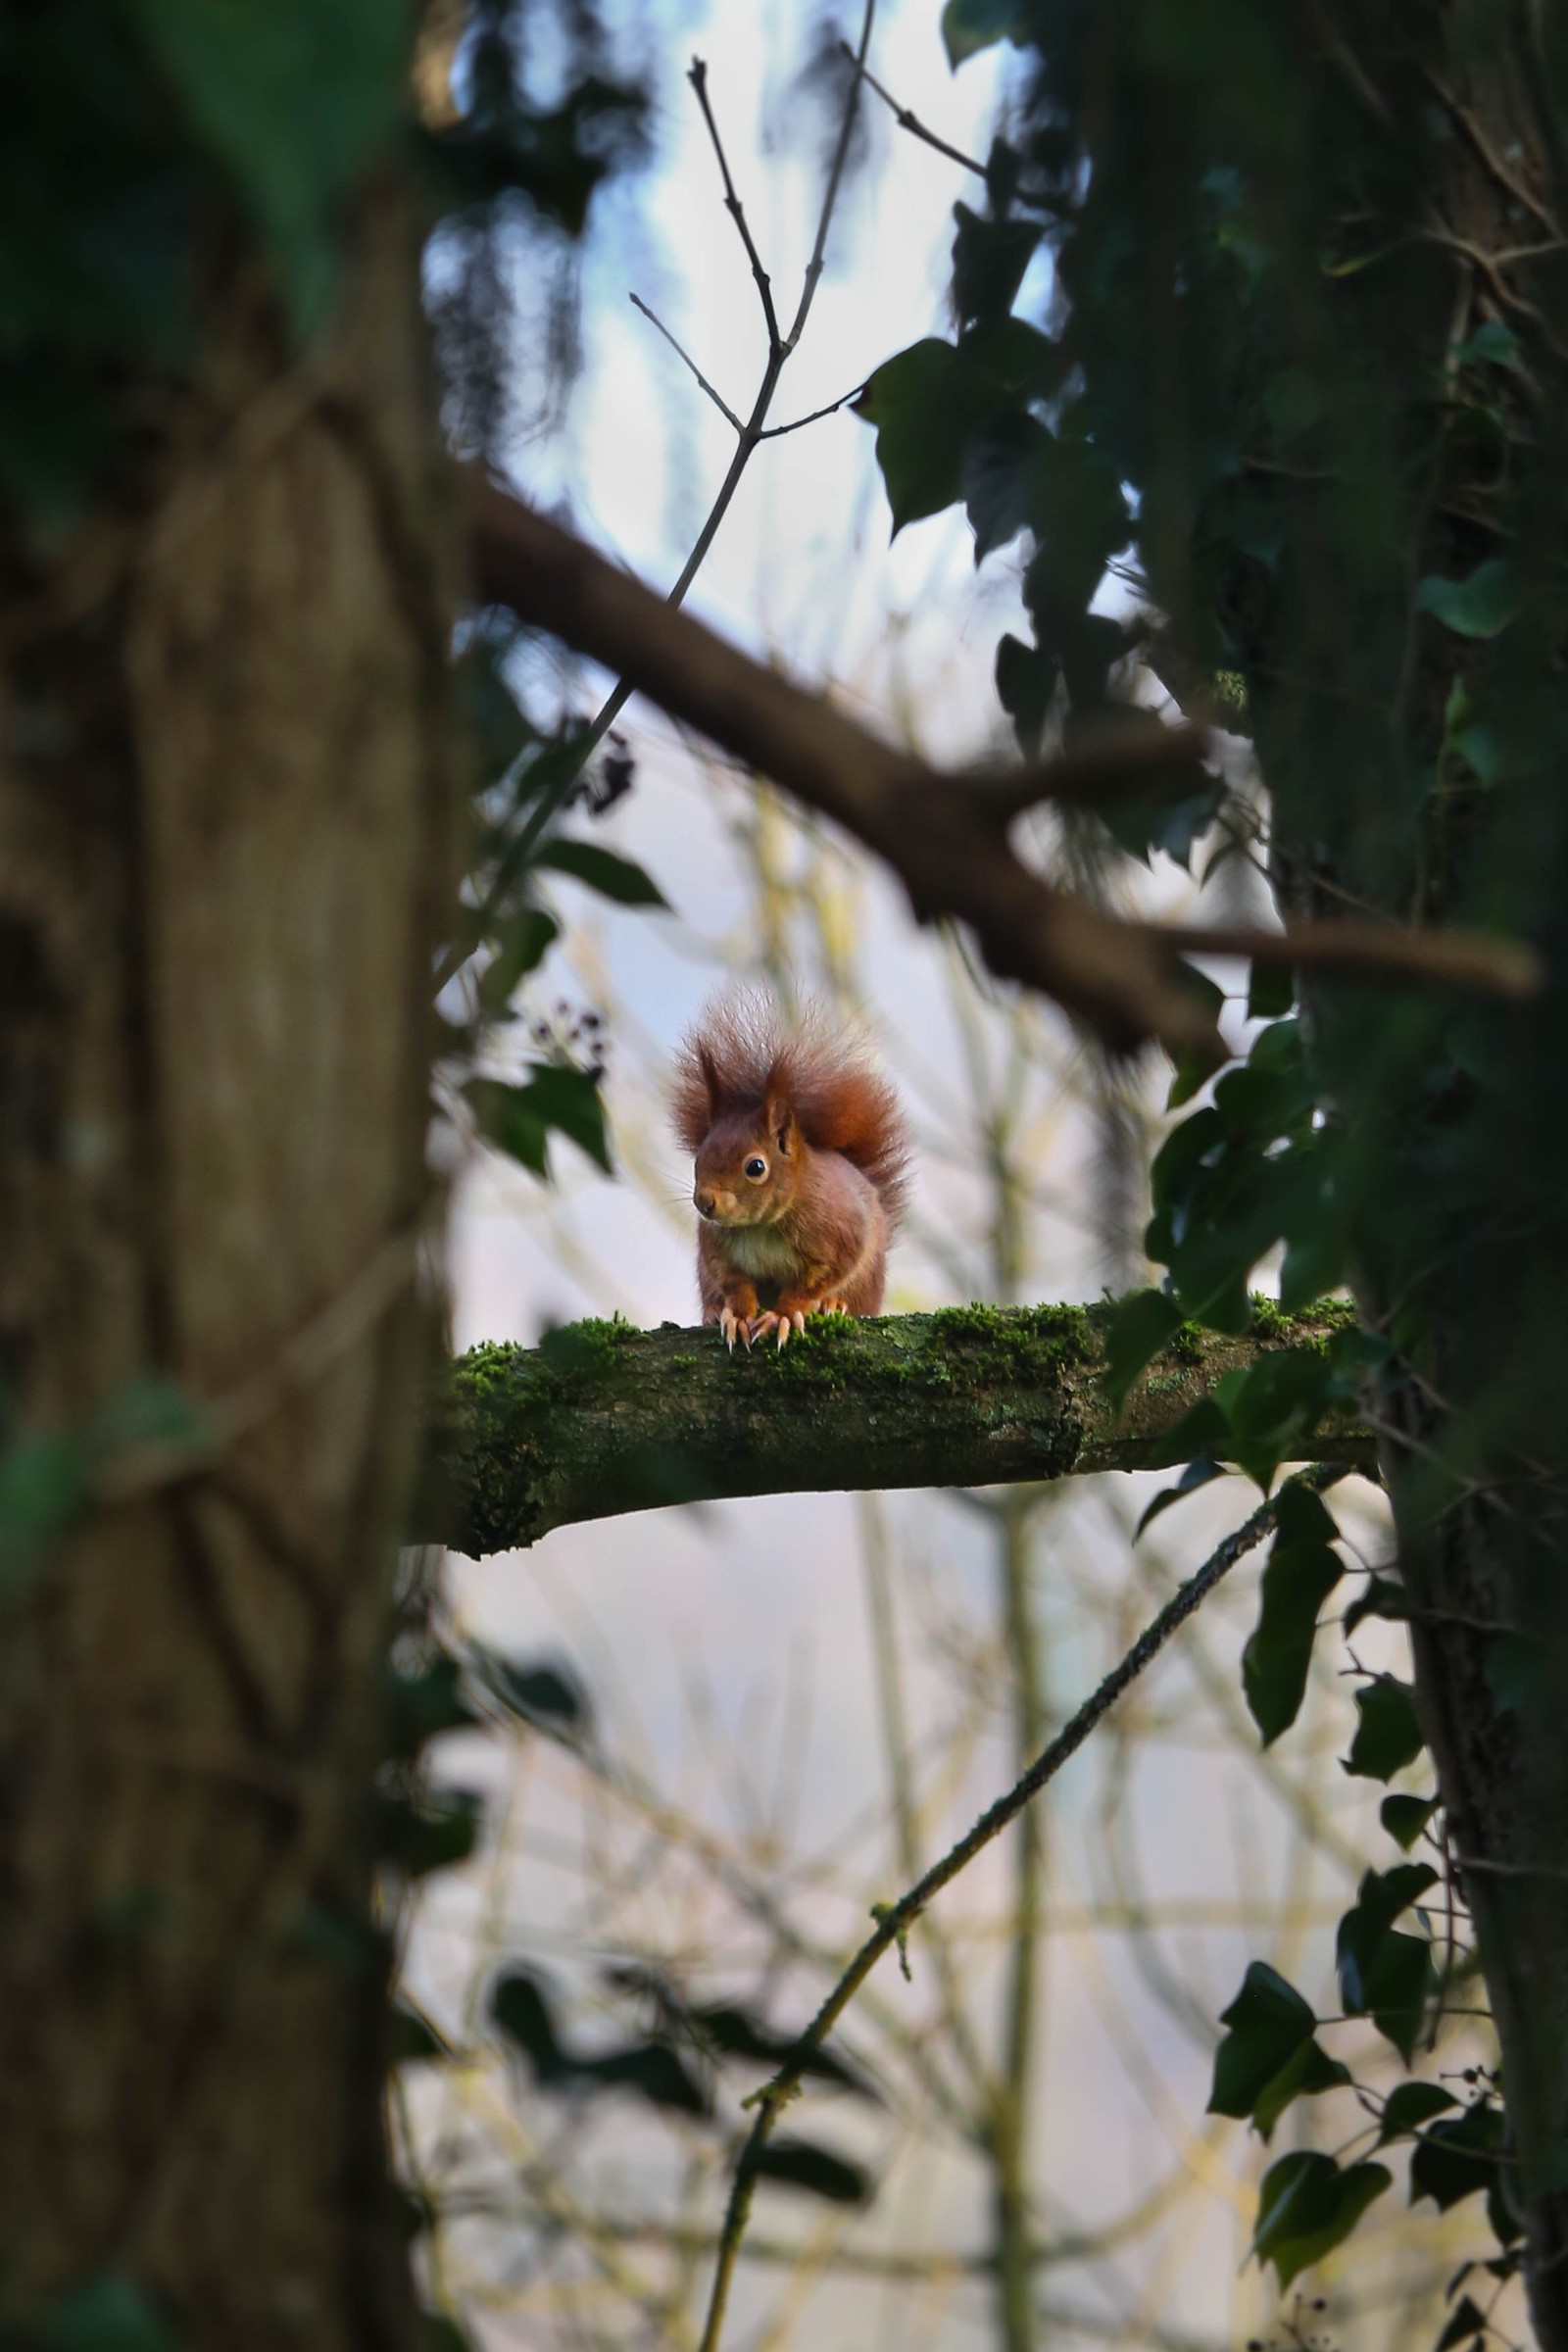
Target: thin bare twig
(776, 432)
(698, 77)
(910, 122)
(748, 436)
(683, 355)
(895, 1920)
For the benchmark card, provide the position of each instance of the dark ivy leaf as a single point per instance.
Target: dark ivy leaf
(518, 1119)
(1307, 2206)
(1271, 992)
(988, 259)
(801, 2164)
(1480, 605)
(539, 1690)
(1301, 1571)
(436, 1832)
(1385, 1975)
(412, 2038)
(655, 2071)
(1268, 2023)
(1406, 1817)
(921, 403)
(1201, 1473)
(1466, 2322)
(732, 2031)
(1380, 1597)
(1136, 1330)
(1026, 683)
(425, 1703)
(1458, 2155)
(612, 876)
(969, 25)
(1408, 2106)
(521, 2008)
(1388, 1735)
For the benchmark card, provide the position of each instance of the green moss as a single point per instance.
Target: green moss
(1185, 1345)
(1313, 1327)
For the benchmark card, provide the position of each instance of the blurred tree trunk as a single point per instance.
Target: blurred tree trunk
(1466, 1260)
(226, 824)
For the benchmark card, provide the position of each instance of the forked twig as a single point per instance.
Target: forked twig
(895, 1920)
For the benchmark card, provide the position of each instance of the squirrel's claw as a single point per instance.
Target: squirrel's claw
(729, 1323)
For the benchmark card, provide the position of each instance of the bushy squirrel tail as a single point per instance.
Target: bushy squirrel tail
(743, 1054)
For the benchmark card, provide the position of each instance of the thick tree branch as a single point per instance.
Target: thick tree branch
(944, 837)
(604, 1419)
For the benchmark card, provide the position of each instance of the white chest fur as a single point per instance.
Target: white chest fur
(759, 1250)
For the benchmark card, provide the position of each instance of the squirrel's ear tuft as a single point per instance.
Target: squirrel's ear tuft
(781, 1124)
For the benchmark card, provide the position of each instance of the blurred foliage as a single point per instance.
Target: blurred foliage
(1265, 321)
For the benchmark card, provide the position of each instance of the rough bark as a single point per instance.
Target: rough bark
(225, 838)
(604, 1420)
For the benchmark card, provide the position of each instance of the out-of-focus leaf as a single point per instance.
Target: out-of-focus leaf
(411, 2038)
(109, 2313)
(1201, 1473)
(919, 401)
(1136, 1330)
(521, 2009)
(1409, 2105)
(1458, 2155)
(518, 1119)
(801, 2164)
(988, 259)
(293, 100)
(1480, 605)
(1307, 2206)
(1385, 1975)
(436, 1832)
(969, 25)
(656, 2072)
(1406, 1817)
(612, 876)
(1466, 2322)
(541, 1691)
(425, 1703)
(1269, 2057)
(1388, 1735)
(1301, 1571)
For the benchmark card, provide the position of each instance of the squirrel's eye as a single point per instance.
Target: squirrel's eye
(757, 1168)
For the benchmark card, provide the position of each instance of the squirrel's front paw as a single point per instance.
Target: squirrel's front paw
(782, 1320)
(734, 1327)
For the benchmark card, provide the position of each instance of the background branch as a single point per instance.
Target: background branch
(944, 837)
(895, 1920)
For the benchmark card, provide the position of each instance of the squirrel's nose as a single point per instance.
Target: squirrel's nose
(704, 1200)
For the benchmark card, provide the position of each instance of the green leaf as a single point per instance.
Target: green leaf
(1406, 1817)
(612, 876)
(988, 259)
(1467, 2321)
(1301, 1571)
(1383, 1975)
(920, 402)
(437, 1832)
(801, 2164)
(1201, 1473)
(1480, 605)
(1269, 2022)
(1380, 1597)
(1269, 2057)
(656, 2072)
(1492, 343)
(411, 2038)
(1307, 2206)
(1275, 1408)
(293, 100)
(1410, 2105)
(517, 1119)
(1136, 1330)
(969, 25)
(109, 2313)
(1271, 992)
(1388, 1735)
(538, 1690)
(1459, 2156)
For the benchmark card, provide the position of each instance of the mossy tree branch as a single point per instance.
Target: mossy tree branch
(604, 1419)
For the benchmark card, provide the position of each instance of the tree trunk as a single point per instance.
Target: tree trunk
(226, 825)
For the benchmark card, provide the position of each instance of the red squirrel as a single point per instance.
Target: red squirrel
(800, 1180)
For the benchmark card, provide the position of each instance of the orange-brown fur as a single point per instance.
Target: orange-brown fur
(810, 1235)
